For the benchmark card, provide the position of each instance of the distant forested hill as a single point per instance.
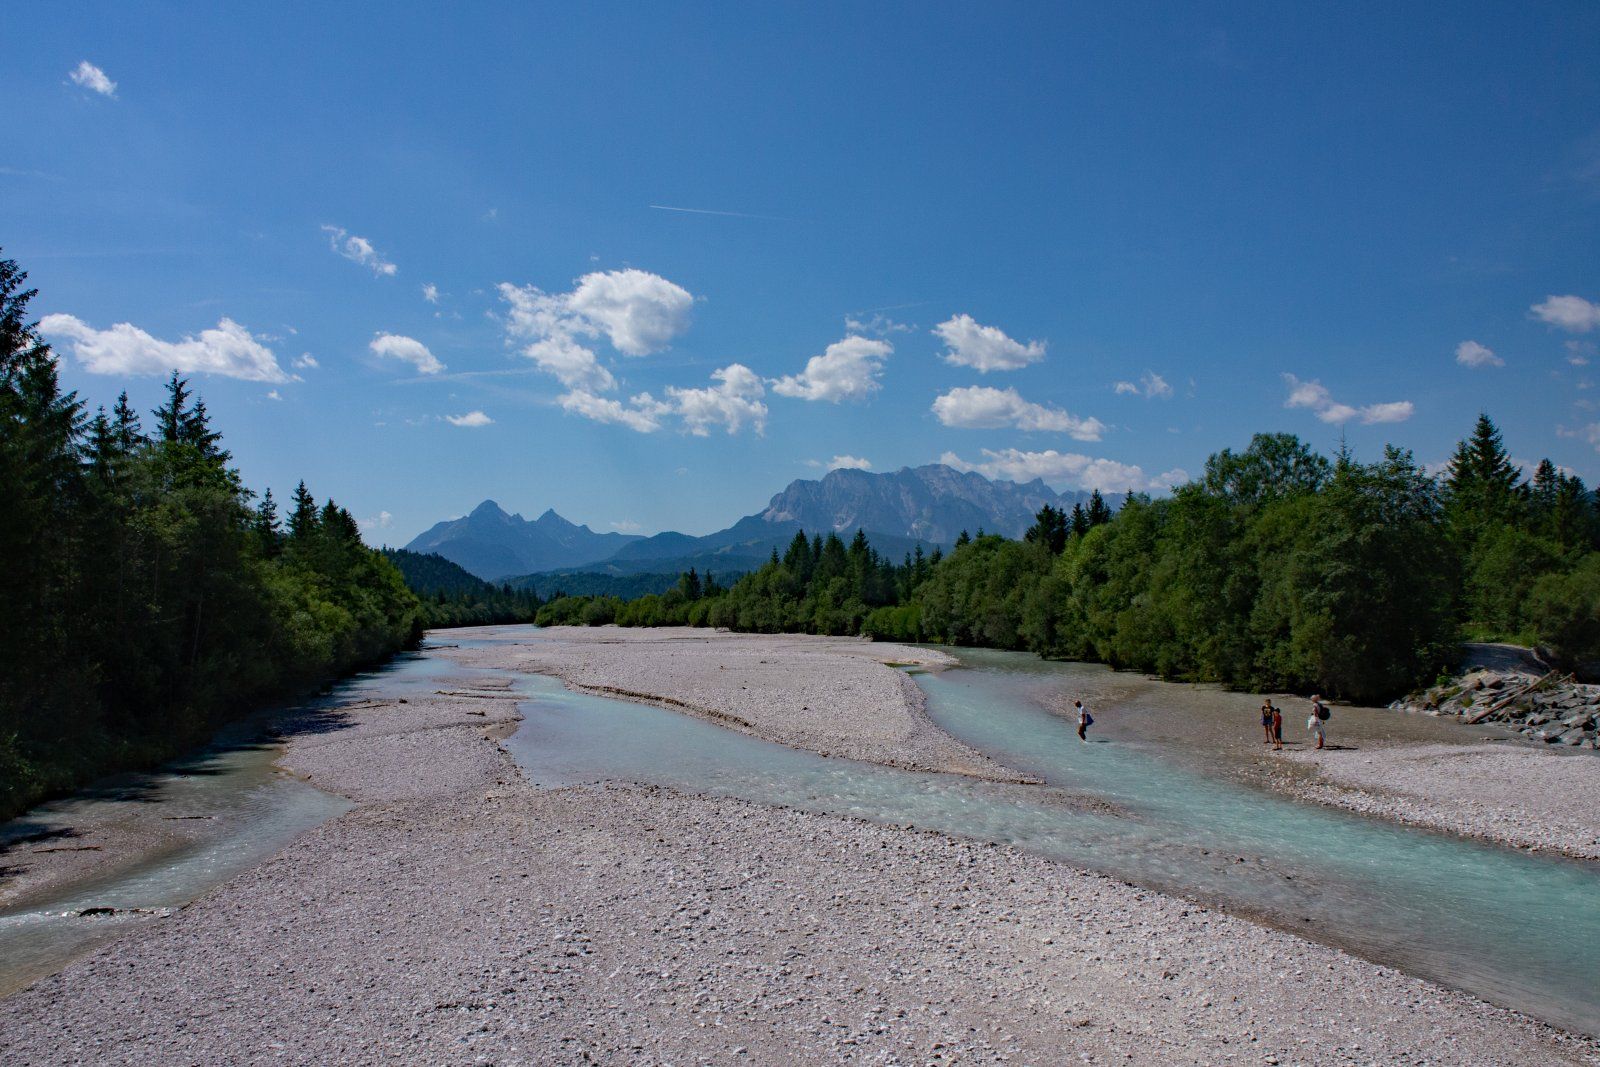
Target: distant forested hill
(452, 597)
(590, 583)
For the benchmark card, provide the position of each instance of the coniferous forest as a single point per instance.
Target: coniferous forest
(1278, 569)
(147, 593)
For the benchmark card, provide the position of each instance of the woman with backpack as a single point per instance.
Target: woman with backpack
(1085, 720)
(1319, 715)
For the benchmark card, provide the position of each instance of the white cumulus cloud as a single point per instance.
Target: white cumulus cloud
(733, 403)
(1066, 470)
(1472, 354)
(638, 312)
(407, 350)
(569, 362)
(984, 348)
(642, 413)
(1315, 396)
(430, 292)
(470, 419)
(1150, 386)
(846, 370)
(88, 76)
(730, 404)
(979, 407)
(359, 250)
(1572, 313)
(306, 362)
(849, 463)
(229, 350)
(1394, 411)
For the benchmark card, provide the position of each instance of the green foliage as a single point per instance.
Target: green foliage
(1279, 569)
(1564, 609)
(145, 596)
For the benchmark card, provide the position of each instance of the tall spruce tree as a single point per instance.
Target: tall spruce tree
(1483, 484)
(302, 515)
(1097, 512)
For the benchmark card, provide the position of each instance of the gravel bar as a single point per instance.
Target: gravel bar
(1529, 798)
(832, 695)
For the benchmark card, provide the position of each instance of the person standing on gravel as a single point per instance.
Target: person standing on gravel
(1319, 715)
(1085, 720)
(1277, 727)
(1266, 721)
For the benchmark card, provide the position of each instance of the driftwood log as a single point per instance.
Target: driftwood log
(1504, 702)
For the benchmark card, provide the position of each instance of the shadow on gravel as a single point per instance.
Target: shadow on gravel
(38, 837)
(309, 722)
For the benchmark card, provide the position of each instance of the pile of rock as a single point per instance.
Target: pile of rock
(1552, 707)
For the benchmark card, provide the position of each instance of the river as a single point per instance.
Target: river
(1518, 930)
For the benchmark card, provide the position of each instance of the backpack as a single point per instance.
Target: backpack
(1322, 712)
(1088, 720)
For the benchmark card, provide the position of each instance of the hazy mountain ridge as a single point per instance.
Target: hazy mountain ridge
(492, 544)
(933, 503)
(899, 510)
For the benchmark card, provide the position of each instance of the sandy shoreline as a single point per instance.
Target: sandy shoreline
(458, 915)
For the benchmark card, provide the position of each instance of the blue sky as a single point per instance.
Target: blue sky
(1094, 245)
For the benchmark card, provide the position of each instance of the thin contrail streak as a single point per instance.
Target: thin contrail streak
(727, 214)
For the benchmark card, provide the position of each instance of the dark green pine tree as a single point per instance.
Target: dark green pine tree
(963, 539)
(125, 424)
(197, 431)
(1049, 529)
(1098, 513)
(689, 585)
(179, 422)
(1483, 484)
(102, 451)
(1542, 493)
(338, 524)
(1571, 521)
(302, 516)
(835, 562)
(173, 416)
(797, 560)
(267, 527)
(1080, 520)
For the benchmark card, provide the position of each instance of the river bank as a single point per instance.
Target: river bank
(1527, 798)
(460, 914)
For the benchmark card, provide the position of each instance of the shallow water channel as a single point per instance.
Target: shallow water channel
(1518, 930)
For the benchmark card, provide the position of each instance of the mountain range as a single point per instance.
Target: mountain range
(899, 510)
